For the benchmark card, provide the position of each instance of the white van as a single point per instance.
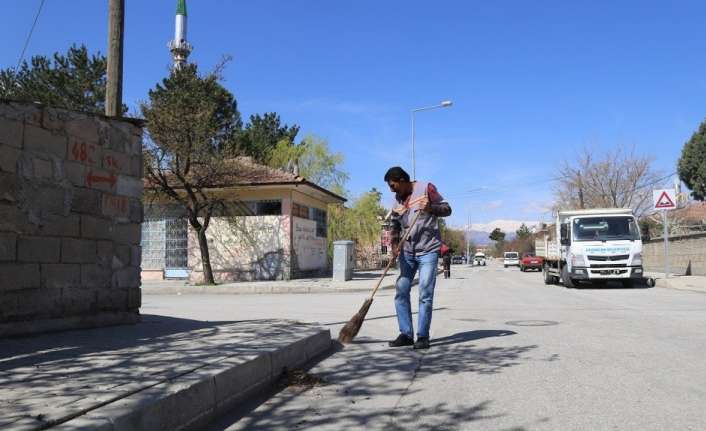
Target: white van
(511, 258)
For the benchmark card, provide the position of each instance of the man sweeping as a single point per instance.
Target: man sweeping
(420, 251)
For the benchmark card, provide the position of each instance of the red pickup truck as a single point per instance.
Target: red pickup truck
(530, 261)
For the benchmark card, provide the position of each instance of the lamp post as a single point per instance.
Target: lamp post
(443, 104)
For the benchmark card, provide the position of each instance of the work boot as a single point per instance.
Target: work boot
(422, 343)
(401, 340)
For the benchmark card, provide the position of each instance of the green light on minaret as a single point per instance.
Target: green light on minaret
(181, 7)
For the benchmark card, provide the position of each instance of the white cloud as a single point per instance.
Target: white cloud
(493, 205)
(504, 225)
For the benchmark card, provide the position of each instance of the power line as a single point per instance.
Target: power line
(29, 36)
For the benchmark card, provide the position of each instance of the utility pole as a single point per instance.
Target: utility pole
(468, 242)
(114, 85)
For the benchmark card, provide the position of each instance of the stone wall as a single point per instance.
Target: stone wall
(70, 213)
(682, 250)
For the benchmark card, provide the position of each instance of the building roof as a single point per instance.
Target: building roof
(245, 172)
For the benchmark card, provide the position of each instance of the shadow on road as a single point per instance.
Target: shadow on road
(370, 386)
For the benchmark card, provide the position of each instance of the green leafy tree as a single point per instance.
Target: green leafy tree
(189, 118)
(315, 162)
(360, 223)
(523, 232)
(692, 163)
(498, 236)
(74, 81)
(262, 135)
(455, 239)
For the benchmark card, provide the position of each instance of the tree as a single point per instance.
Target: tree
(262, 135)
(455, 239)
(620, 179)
(361, 223)
(692, 163)
(498, 236)
(189, 118)
(523, 232)
(315, 162)
(74, 81)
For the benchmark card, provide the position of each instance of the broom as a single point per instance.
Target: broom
(350, 329)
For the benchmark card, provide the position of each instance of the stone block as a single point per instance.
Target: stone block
(42, 168)
(137, 167)
(75, 172)
(44, 141)
(59, 275)
(129, 186)
(83, 130)
(115, 207)
(79, 300)
(8, 246)
(95, 276)
(17, 276)
(105, 253)
(127, 233)
(134, 298)
(45, 199)
(9, 188)
(8, 304)
(11, 133)
(86, 201)
(136, 214)
(99, 179)
(29, 113)
(97, 228)
(55, 118)
(122, 254)
(39, 303)
(78, 250)
(136, 256)
(86, 153)
(112, 299)
(8, 158)
(126, 278)
(13, 219)
(38, 249)
(61, 226)
(117, 162)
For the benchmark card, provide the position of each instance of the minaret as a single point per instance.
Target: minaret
(179, 47)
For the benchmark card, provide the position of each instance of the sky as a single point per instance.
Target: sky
(532, 83)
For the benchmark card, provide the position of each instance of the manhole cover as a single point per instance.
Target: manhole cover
(531, 323)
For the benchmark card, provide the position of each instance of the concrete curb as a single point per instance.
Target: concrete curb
(192, 399)
(256, 289)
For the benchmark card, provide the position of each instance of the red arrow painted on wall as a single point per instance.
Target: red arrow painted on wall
(92, 179)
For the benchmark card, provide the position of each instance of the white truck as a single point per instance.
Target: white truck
(591, 245)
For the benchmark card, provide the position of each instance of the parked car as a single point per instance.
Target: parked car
(530, 261)
(457, 259)
(511, 258)
(479, 259)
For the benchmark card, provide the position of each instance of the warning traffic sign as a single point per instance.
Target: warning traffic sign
(664, 199)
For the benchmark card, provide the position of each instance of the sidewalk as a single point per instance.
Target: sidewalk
(362, 281)
(684, 282)
(164, 373)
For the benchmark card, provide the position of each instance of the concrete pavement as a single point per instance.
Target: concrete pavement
(165, 373)
(508, 353)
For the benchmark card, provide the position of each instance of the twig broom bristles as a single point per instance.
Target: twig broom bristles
(350, 329)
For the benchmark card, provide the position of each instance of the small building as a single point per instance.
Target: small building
(273, 227)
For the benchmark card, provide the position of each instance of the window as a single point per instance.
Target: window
(254, 208)
(319, 216)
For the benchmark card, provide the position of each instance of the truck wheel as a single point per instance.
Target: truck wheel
(568, 282)
(548, 279)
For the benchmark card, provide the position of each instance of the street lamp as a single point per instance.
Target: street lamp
(443, 104)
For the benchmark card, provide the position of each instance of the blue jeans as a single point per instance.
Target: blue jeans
(426, 264)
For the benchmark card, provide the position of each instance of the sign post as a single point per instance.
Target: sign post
(665, 199)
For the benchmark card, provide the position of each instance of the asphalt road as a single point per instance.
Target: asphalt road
(508, 353)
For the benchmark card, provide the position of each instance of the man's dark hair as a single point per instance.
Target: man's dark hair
(396, 174)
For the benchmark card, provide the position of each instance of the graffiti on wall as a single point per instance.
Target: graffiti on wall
(310, 249)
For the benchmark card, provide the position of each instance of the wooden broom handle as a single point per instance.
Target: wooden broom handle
(400, 244)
